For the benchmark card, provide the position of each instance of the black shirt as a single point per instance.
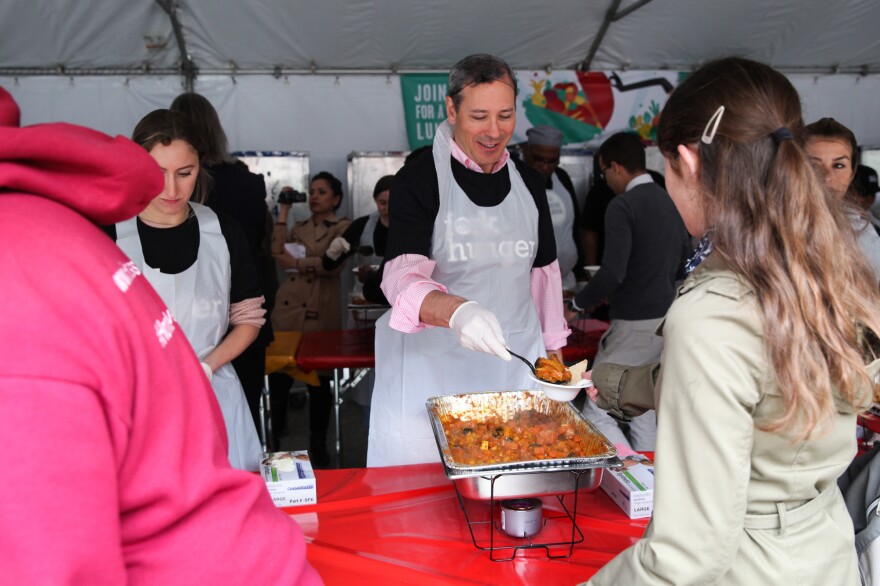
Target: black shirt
(598, 198)
(647, 245)
(414, 203)
(173, 250)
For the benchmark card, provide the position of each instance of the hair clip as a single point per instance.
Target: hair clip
(712, 126)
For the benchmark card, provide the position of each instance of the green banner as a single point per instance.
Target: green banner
(424, 105)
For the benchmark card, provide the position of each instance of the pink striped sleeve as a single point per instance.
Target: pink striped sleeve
(248, 311)
(405, 282)
(546, 286)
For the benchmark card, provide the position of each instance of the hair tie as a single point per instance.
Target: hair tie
(782, 133)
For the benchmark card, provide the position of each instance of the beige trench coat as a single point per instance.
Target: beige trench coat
(310, 300)
(719, 479)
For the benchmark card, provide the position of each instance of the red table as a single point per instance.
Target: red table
(404, 525)
(583, 343)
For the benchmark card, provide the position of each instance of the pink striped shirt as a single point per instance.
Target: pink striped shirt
(465, 160)
(407, 280)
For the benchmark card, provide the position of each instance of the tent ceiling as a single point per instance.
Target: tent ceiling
(383, 35)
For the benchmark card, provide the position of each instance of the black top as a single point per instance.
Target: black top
(241, 195)
(173, 250)
(415, 201)
(598, 198)
(646, 246)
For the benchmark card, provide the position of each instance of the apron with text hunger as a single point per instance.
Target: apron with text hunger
(483, 254)
(199, 300)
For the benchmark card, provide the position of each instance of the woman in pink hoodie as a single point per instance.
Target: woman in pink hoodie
(111, 466)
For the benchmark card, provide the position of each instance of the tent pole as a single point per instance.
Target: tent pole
(610, 16)
(187, 67)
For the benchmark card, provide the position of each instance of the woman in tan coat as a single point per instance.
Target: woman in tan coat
(309, 299)
(764, 363)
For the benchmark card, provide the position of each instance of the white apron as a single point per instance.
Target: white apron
(199, 300)
(482, 254)
(367, 240)
(562, 213)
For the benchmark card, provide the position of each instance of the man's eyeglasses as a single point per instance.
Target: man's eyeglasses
(602, 171)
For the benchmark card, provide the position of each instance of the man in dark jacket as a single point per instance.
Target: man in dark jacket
(646, 245)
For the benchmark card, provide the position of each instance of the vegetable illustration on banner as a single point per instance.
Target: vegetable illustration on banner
(580, 107)
(590, 106)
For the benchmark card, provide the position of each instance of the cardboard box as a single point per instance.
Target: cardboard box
(632, 487)
(290, 478)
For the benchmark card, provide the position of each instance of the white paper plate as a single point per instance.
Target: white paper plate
(561, 392)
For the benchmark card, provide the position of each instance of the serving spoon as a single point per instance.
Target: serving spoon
(529, 364)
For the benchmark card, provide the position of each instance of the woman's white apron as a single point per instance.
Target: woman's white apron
(199, 300)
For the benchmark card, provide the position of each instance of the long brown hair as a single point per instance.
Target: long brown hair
(775, 226)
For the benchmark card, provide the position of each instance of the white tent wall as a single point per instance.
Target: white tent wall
(325, 116)
(331, 116)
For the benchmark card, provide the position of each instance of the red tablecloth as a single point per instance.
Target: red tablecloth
(583, 343)
(404, 525)
(336, 349)
(354, 348)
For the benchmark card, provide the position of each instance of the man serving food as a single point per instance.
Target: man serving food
(470, 270)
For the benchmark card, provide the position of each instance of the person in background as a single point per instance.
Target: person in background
(763, 369)
(309, 300)
(199, 263)
(114, 468)
(834, 153)
(470, 268)
(365, 240)
(541, 152)
(646, 246)
(241, 195)
(593, 214)
(864, 192)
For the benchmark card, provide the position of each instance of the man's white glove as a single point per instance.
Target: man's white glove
(478, 329)
(337, 248)
(208, 372)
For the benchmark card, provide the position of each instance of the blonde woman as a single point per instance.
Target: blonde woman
(764, 362)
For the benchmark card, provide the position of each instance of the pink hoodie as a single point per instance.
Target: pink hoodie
(112, 448)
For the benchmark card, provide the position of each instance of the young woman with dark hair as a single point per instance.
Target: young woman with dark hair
(199, 264)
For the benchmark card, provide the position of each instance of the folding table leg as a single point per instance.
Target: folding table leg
(336, 404)
(265, 415)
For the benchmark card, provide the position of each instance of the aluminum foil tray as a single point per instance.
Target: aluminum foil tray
(535, 483)
(519, 478)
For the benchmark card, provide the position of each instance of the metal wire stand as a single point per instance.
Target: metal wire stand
(566, 546)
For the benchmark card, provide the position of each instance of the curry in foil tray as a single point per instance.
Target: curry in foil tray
(505, 428)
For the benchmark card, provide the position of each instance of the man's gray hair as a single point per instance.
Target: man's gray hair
(477, 69)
